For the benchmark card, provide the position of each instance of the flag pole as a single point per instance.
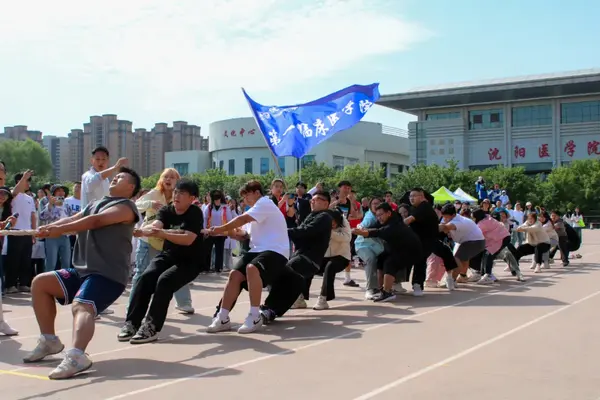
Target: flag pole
(275, 160)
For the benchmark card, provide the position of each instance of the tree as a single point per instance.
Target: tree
(311, 174)
(365, 180)
(150, 182)
(575, 185)
(21, 155)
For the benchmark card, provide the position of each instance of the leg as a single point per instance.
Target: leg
(25, 272)
(525, 250)
(284, 293)
(141, 295)
(219, 252)
(563, 244)
(183, 297)
(420, 269)
(11, 264)
(370, 261)
(307, 269)
(5, 329)
(51, 246)
(207, 249)
(143, 255)
(64, 252)
(333, 266)
(445, 253)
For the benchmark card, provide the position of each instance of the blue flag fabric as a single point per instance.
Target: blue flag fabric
(294, 130)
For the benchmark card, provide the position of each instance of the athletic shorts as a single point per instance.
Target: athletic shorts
(467, 250)
(269, 263)
(96, 290)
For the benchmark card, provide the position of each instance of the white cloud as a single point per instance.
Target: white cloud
(194, 50)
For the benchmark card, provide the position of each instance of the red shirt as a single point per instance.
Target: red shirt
(355, 222)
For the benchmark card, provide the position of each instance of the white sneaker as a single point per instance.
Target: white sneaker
(462, 279)
(251, 324)
(520, 277)
(71, 365)
(185, 309)
(417, 291)
(5, 329)
(219, 326)
(537, 269)
(473, 276)
(44, 348)
(299, 303)
(370, 294)
(533, 265)
(398, 289)
(485, 280)
(450, 284)
(321, 304)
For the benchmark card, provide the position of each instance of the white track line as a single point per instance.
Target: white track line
(470, 350)
(324, 341)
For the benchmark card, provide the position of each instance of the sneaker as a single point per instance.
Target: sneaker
(218, 326)
(473, 276)
(417, 290)
(185, 309)
(24, 289)
(299, 303)
(384, 296)
(493, 277)
(250, 325)
(45, 347)
(321, 304)
(450, 284)
(351, 283)
(73, 364)
(485, 280)
(462, 279)
(520, 277)
(12, 290)
(533, 265)
(370, 294)
(267, 315)
(127, 332)
(398, 289)
(6, 330)
(146, 334)
(537, 269)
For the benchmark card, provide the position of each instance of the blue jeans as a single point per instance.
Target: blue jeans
(58, 247)
(370, 260)
(143, 255)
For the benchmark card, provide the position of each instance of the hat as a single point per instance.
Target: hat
(54, 188)
(528, 203)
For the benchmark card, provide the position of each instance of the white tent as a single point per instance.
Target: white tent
(464, 196)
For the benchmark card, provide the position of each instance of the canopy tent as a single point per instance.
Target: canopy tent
(465, 197)
(443, 195)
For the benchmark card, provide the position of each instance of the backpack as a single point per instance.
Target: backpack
(573, 237)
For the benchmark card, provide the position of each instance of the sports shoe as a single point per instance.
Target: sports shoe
(321, 304)
(45, 347)
(5, 329)
(127, 332)
(73, 364)
(251, 324)
(146, 334)
(218, 326)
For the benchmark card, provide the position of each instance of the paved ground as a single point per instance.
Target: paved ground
(533, 340)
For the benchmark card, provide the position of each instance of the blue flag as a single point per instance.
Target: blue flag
(294, 130)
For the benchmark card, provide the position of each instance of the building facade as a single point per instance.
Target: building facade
(20, 132)
(237, 146)
(536, 122)
(58, 149)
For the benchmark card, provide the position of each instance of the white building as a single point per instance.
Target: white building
(58, 148)
(237, 146)
(536, 122)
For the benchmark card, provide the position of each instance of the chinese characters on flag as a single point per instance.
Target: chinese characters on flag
(241, 132)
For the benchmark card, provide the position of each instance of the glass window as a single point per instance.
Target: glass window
(384, 167)
(439, 116)
(351, 161)
(338, 163)
(281, 163)
(221, 164)
(486, 119)
(248, 166)
(532, 115)
(308, 160)
(182, 168)
(584, 111)
(231, 167)
(264, 165)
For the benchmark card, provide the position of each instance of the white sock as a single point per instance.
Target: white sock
(255, 312)
(348, 276)
(223, 314)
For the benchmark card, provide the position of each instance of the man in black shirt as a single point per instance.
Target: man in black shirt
(179, 224)
(401, 245)
(302, 202)
(425, 223)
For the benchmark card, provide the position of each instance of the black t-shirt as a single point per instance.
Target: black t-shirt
(192, 220)
(426, 223)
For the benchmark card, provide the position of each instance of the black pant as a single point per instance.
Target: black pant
(563, 245)
(218, 242)
(445, 253)
(484, 261)
(539, 250)
(307, 269)
(420, 264)
(18, 261)
(331, 267)
(283, 294)
(393, 263)
(158, 282)
(38, 266)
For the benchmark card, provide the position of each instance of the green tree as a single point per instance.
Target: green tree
(150, 182)
(575, 185)
(365, 180)
(21, 155)
(311, 174)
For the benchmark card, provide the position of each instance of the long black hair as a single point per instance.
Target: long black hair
(7, 206)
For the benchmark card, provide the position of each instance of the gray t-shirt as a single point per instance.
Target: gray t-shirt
(105, 251)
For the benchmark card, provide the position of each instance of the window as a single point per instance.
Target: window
(486, 119)
(221, 164)
(281, 163)
(308, 160)
(338, 163)
(182, 168)
(248, 166)
(440, 116)
(264, 165)
(421, 135)
(584, 111)
(532, 115)
(231, 167)
(384, 167)
(351, 161)
(214, 165)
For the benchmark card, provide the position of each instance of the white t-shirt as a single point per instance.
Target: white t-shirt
(24, 205)
(518, 216)
(74, 204)
(268, 231)
(93, 187)
(466, 230)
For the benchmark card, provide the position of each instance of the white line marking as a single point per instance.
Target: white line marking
(470, 350)
(324, 341)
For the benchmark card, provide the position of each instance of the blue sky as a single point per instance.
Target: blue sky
(153, 61)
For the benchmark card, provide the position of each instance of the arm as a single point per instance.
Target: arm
(355, 210)
(33, 220)
(343, 234)
(235, 223)
(144, 203)
(185, 238)
(306, 230)
(119, 214)
(20, 186)
(409, 220)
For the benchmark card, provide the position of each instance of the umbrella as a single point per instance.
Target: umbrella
(406, 198)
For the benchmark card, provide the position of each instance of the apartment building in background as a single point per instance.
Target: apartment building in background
(20, 132)
(58, 149)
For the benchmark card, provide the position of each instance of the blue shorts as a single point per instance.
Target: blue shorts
(96, 290)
